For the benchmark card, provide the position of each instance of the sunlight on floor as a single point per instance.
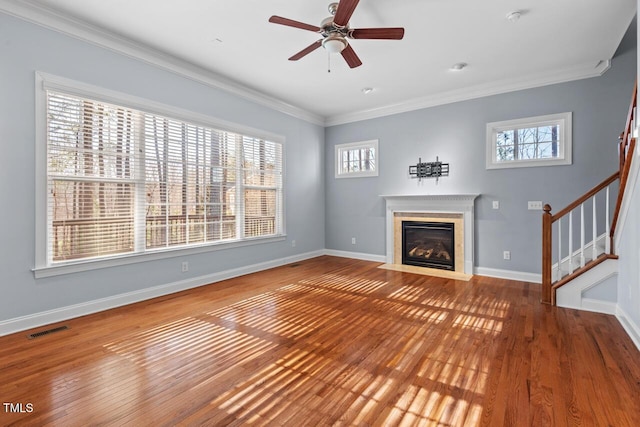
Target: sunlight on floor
(352, 351)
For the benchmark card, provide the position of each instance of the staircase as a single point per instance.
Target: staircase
(578, 252)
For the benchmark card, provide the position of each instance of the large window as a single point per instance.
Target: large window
(533, 141)
(121, 181)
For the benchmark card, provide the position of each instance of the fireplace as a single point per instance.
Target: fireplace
(428, 244)
(456, 209)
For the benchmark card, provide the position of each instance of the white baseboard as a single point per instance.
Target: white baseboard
(356, 255)
(632, 329)
(599, 306)
(508, 274)
(65, 313)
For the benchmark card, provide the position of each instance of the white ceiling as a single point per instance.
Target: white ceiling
(554, 40)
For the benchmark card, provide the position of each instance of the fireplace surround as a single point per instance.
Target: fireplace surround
(445, 208)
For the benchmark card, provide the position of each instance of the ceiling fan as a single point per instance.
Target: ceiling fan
(335, 31)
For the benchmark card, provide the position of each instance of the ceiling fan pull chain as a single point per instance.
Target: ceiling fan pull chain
(328, 62)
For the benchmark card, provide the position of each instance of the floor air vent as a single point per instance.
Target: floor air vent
(47, 332)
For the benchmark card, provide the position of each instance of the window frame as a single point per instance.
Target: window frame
(43, 267)
(351, 146)
(565, 143)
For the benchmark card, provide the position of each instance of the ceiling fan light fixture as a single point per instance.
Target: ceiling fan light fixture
(334, 44)
(335, 30)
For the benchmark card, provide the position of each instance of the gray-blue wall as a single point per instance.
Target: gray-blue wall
(26, 48)
(456, 134)
(321, 212)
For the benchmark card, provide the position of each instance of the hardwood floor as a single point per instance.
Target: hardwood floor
(328, 341)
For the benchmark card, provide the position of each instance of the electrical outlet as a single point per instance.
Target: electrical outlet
(353, 240)
(506, 255)
(534, 206)
(293, 243)
(496, 204)
(185, 266)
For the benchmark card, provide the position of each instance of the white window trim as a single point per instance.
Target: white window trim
(44, 82)
(564, 141)
(339, 148)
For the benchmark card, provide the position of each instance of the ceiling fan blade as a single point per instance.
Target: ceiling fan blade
(350, 56)
(296, 24)
(377, 33)
(307, 50)
(344, 12)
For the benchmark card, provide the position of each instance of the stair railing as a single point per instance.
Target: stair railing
(626, 149)
(580, 232)
(588, 254)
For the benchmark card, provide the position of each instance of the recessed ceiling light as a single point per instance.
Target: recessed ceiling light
(459, 66)
(367, 90)
(514, 16)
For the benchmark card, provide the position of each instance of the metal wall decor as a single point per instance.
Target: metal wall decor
(429, 169)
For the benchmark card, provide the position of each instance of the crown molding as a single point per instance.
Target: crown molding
(494, 88)
(48, 18)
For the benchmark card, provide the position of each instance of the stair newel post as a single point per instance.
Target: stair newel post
(546, 254)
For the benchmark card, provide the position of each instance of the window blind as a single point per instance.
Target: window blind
(91, 178)
(123, 181)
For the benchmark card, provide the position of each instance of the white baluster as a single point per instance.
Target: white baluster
(559, 276)
(582, 235)
(607, 240)
(570, 242)
(594, 229)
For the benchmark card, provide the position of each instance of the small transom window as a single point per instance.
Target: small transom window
(357, 159)
(532, 141)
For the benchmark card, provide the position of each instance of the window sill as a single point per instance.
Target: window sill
(528, 163)
(356, 174)
(116, 261)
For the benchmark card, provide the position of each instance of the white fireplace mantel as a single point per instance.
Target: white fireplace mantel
(432, 203)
